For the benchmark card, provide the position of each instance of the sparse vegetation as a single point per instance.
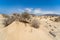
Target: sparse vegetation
(56, 19)
(52, 34)
(50, 25)
(8, 21)
(16, 16)
(35, 23)
(51, 19)
(5, 15)
(52, 29)
(54, 26)
(24, 17)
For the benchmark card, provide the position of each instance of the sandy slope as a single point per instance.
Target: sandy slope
(18, 31)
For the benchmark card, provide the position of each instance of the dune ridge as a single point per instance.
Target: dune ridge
(17, 27)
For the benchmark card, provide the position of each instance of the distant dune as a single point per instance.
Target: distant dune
(29, 27)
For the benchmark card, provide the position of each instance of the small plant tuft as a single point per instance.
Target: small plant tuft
(35, 23)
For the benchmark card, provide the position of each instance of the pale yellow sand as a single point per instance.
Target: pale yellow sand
(18, 31)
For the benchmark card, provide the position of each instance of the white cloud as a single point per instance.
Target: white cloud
(31, 10)
(37, 10)
(28, 9)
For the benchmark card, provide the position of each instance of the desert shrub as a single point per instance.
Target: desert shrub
(25, 15)
(52, 29)
(50, 26)
(51, 19)
(16, 16)
(55, 27)
(35, 23)
(5, 15)
(57, 19)
(23, 20)
(9, 21)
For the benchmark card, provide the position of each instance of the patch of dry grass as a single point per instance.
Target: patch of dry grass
(35, 23)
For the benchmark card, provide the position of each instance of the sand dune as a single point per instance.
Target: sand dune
(18, 31)
(48, 30)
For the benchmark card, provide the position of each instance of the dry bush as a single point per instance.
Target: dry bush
(56, 19)
(16, 15)
(35, 23)
(5, 15)
(23, 20)
(51, 19)
(9, 21)
(25, 15)
(12, 18)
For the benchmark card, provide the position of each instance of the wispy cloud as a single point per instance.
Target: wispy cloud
(38, 11)
(30, 10)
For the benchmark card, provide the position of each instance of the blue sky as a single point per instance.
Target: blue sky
(9, 6)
